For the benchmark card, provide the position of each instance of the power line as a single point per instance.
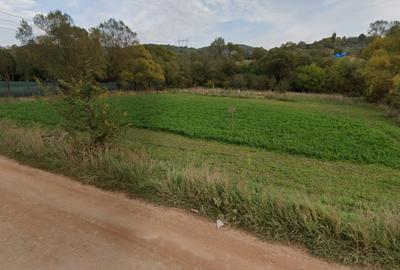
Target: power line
(19, 17)
(15, 16)
(183, 42)
(9, 21)
(33, 25)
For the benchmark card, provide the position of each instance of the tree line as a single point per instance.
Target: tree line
(367, 65)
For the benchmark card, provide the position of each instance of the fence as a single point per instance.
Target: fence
(30, 89)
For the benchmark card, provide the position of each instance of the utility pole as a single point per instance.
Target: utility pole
(185, 43)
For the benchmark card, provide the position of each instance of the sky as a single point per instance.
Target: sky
(264, 23)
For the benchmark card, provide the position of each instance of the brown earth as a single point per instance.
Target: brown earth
(52, 222)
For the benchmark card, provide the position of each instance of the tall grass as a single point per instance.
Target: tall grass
(369, 238)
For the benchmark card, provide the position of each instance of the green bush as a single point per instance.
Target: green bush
(83, 112)
(344, 77)
(379, 84)
(378, 76)
(310, 78)
(142, 72)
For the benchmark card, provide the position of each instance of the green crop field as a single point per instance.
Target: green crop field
(318, 129)
(322, 173)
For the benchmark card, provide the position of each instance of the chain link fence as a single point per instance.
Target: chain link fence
(31, 89)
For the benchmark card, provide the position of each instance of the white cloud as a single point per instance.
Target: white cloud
(347, 18)
(275, 22)
(165, 21)
(23, 8)
(10, 13)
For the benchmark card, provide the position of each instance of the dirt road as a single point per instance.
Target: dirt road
(52, 222)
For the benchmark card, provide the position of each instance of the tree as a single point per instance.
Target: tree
(7, 67)
(393, 99)
(218, 47)
(24, 33)
(345, 77)
(116, 34)
(26, 67)
(378, 76)
(333, 37)
(278, 63)
(362, 37)
(116, 37)
(170, 64)
(258, 53)
(142, 71)
(383, 64)
(380, 28)
(235, 51)
(310, 78)
(64, 51)
(52, 22)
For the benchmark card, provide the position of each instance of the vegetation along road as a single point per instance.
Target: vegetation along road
(51, 222)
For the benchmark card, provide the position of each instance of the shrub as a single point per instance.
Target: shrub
(83, 112)
(310, 78)
(378, 76)
(258, 82)
(282, 86)
(344, 76)
(238, 81)
(379, 84)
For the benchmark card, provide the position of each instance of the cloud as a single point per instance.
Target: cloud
(269, 23)
(19, 7)
(315, 20)
(344, 17)
(256, 22)
(8, 22)
(165, 21)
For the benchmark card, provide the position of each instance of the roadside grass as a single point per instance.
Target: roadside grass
(347, 187)
(327, 129)
(344, 212)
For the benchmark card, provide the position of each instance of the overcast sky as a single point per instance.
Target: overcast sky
(264, 23)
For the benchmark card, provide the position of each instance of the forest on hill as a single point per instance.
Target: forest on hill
(366, 65)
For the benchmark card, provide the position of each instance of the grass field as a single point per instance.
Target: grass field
(320, 129)
(331, 182)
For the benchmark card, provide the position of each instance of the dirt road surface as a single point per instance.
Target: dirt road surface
(52, 222)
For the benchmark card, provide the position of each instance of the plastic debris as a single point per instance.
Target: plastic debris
(220, 224)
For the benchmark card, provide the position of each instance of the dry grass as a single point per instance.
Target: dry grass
(220, 92)
(265, 94)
